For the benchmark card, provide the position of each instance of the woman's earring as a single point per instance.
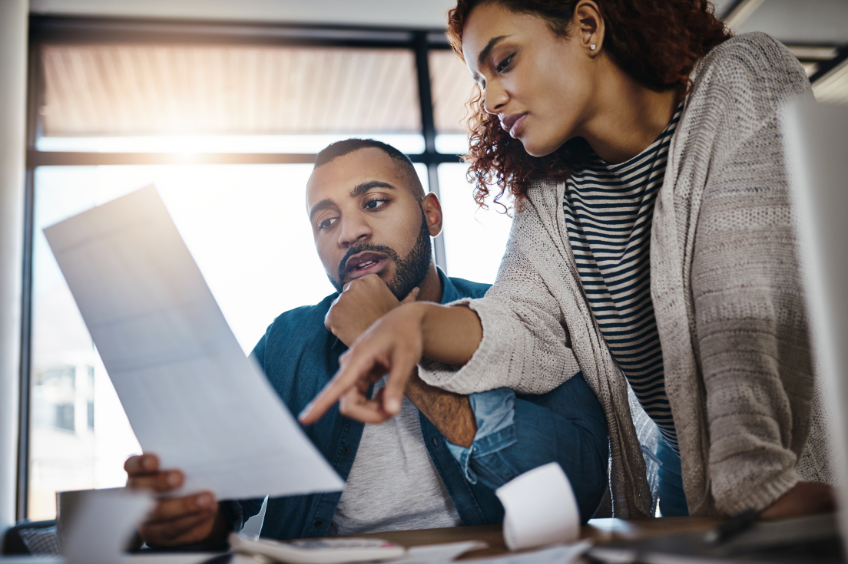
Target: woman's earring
(592, 46)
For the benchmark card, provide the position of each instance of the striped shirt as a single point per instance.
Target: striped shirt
(608, 215)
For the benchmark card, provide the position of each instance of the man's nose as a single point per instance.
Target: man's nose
(352, 232)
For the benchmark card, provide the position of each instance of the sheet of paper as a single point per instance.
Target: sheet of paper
(191, 395)
(103, 524)
(439, 552)
(540, 508)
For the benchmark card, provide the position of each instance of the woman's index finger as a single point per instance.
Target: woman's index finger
(341, 383)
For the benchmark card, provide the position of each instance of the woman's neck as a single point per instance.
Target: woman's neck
(627, 117)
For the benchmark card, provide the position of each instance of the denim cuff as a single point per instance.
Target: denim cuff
(494, 412)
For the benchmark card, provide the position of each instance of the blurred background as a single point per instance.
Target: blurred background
(222, 105)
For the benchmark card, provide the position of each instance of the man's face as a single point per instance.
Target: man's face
(366, 221)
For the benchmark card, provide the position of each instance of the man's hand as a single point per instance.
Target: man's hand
(363, 301)
(175, 520)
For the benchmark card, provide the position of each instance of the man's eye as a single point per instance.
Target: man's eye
(326, 223)
(375, 203)
(504, 64)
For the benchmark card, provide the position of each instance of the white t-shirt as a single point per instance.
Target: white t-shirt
(393, 484)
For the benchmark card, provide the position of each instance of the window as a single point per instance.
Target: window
(226, 125)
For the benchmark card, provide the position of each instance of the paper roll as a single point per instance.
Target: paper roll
(540, 509)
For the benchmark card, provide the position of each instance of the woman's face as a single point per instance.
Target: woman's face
(539, 84)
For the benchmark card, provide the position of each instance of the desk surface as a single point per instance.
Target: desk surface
(598, 530)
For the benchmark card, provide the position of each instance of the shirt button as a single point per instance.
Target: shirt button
(435, 441)
(346, 450)
(318, 524)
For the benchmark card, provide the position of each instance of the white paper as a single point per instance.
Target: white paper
(190, 394)
(438, 552)
(540, 509)
(103, 524)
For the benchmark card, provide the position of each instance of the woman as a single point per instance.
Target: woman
(652, 245)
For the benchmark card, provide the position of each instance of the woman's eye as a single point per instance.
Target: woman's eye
(504, 64)
(326, 223)
(374, 204)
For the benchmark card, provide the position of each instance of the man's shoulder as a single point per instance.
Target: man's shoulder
(468, 289)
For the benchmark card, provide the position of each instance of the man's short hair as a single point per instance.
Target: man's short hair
(341, 148)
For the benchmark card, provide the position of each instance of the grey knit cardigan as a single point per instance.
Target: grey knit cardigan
(727, 294)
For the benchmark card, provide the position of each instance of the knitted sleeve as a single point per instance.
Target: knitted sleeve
(751, 323)
(525, 344)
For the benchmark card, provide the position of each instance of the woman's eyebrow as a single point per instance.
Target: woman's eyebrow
(365, 186)
(488, 48)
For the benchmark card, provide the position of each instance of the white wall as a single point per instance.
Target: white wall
(406, 13)
(13, 49)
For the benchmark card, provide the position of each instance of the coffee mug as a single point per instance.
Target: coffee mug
(67, 504)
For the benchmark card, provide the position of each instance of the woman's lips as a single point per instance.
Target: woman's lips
(512, 123)
(516, 126)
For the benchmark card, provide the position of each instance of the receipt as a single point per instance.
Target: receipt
(540, 509)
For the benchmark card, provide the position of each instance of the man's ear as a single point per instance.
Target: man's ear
(432, 208)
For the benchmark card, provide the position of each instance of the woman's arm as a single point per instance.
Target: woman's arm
(395, 344)
(750, 314)
(451, 334)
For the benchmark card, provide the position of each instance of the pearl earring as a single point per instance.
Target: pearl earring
(592, 46)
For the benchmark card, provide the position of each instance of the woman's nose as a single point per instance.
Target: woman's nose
(494, 99)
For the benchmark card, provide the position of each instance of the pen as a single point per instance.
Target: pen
(732, 527)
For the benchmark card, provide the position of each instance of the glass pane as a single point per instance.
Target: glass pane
(246, 227)
(452, 89)
(475, 239)
(153, 90)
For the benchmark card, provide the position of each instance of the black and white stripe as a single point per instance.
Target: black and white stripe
(608, 215)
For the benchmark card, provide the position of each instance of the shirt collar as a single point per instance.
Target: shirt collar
(449, 292)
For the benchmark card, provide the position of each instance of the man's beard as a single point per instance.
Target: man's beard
(409, 271)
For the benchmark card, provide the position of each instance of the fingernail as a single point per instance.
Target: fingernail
(204, 501)
(392, 406)
(305, 412)
(173, 479)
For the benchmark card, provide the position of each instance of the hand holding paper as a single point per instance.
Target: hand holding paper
(190, 394)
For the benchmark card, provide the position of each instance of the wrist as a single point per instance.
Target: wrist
(416, 312)
(220, 527)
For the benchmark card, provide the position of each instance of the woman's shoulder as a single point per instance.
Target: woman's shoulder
(750, 60)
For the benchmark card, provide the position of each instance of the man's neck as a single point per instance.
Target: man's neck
(430, 289)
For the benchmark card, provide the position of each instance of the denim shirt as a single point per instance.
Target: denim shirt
(299, 357)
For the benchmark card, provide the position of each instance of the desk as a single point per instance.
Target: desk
(600, 531)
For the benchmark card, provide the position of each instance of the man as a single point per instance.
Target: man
(437, 463)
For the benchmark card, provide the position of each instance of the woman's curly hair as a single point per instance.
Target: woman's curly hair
(656, 42)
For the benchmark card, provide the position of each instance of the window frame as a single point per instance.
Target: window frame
(46, 30)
